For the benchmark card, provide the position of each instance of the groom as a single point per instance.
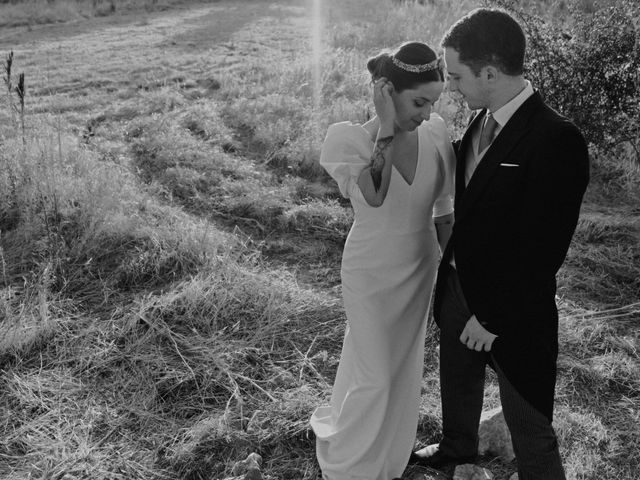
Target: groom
(522, 170)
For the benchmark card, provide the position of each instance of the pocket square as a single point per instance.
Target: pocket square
(509, 165)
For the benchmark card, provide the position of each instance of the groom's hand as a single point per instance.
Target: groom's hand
(476, 337)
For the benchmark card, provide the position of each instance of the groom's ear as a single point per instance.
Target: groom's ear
(491, 73)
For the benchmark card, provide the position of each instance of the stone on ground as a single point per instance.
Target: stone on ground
(471, 472)
(249, 467)
(253, 474)
(495, 438)
(421, 475)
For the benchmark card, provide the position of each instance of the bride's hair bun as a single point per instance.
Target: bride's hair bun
(378, 64)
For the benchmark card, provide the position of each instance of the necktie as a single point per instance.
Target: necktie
(488, 132)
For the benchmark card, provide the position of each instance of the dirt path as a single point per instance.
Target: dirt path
(81, 66)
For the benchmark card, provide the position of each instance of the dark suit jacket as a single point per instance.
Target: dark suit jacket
(513, 226)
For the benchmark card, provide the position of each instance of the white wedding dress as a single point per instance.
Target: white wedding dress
(388, 270)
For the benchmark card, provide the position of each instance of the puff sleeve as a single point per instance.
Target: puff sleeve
(447, 162)
(346, 151)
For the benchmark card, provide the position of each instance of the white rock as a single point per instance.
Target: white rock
(495, 438)
(471, 472)
(255, 459)
(248, 465)
(514, 476)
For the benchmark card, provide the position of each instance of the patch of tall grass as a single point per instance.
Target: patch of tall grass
(87, 223)
(246, 339)
(603, 265)
(131, 330)
(189, 158)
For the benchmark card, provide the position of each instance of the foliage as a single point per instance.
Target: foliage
(589, 68)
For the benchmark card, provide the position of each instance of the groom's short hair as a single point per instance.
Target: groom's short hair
(488, 36)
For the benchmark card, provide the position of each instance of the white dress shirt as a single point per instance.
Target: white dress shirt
(501, 116)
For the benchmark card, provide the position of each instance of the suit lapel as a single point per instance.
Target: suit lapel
(499, 149)
(461, 155)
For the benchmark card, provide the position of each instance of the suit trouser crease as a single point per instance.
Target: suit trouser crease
(462, 377)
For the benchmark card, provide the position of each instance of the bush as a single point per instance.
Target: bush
(588, 70)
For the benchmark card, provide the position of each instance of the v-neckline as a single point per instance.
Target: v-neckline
(415, 170)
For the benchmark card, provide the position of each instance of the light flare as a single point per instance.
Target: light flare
(316, 57)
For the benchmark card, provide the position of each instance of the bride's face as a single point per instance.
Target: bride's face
(414, 105)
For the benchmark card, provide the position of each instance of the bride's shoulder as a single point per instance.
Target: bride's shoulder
(436, 122)
(435, 126)
(348, 132)
(345, 127)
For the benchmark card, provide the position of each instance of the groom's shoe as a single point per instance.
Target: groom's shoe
(431, 456)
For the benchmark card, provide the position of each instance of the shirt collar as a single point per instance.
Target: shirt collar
(504, 113)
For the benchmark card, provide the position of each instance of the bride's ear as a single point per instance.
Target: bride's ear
(392, 89)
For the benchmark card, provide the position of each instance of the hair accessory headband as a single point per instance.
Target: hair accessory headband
(433, 65)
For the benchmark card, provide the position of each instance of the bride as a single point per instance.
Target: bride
(397, 170)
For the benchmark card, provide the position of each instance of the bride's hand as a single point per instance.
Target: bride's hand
(385, 109)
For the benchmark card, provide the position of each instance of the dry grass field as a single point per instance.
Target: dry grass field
(170, 248)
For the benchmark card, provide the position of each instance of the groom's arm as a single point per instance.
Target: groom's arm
(557, 178)
(444, 227)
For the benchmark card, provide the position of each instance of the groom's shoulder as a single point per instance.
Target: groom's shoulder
(553, 124)
(550, 130)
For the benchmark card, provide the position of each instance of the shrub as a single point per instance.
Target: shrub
(589, 69)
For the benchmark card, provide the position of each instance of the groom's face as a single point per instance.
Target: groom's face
(462, 80)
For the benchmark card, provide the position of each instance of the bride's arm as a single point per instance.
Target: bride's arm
(374, 179)
(443, 214)
(444, 226)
